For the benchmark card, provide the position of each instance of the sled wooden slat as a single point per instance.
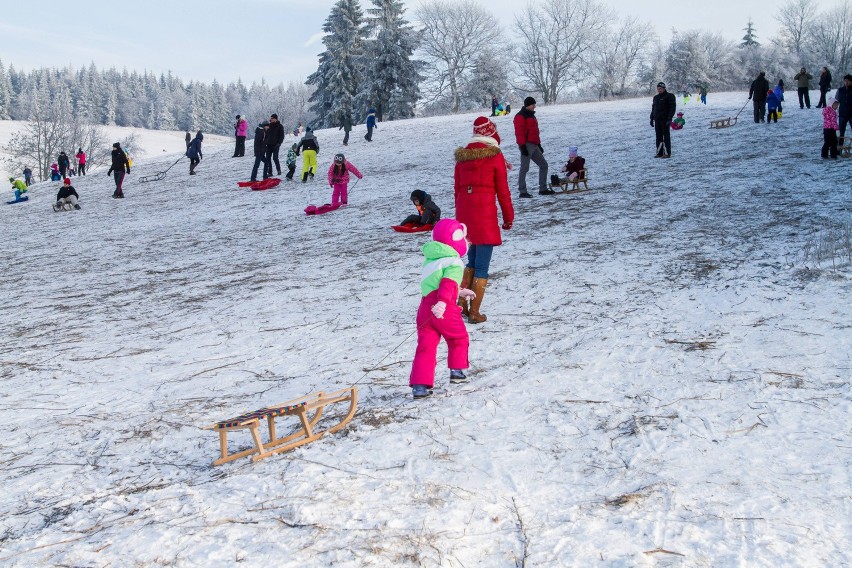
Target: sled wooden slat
(572, 186)
(308, 409)
(723, 122)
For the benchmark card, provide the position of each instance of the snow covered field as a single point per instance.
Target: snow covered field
(663, 380)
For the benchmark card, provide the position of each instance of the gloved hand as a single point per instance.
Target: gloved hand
(652, 122)
(439, 309)
(524, 151)
(467, 294)
(540, 148)
(507, 226)
(128, 171)
(109, 173)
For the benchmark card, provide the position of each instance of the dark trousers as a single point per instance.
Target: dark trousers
(804, 97)
(369, 135)
(240, 148)
(275, 159)
(842, 122)
(81, 169)
(773, 114)
(63, 170)
(28, 180)
(118, 176)
(192, 163)
(267, 162)
(258, 159)
(759, 111)
(346, 138)
(534, 154)
(664, 137)
(291, 169)
(822, 103)
(829, 143)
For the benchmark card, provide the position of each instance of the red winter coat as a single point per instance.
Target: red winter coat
(526, 128)
(480, 182)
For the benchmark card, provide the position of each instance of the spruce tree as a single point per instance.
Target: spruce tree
(750, 39)
(5, 94)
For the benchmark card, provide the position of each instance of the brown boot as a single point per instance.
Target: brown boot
(478, 288)
(467, 278)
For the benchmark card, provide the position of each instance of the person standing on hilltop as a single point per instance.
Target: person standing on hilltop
(259, 149)
(274, 139)
(194, 152)
(663, 108)
(119, 167)
(240, 132)
(757, 92)
(81, 162)
(529, 143)
(803, 79)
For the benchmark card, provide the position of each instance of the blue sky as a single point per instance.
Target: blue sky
(278, 40)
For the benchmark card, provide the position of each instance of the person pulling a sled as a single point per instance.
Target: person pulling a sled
(427, 212)
(338, 179)
(438, 316)
(66, 195)
(194, 152)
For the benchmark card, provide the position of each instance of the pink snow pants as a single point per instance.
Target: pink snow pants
(430, 330)
(339, 195)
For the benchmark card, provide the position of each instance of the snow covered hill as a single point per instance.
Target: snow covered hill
(663, 380)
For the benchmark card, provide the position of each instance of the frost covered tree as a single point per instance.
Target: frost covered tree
(391, 78)
(341, 65)
(5, 94)
(830, 37)
(487, 79)
(750, 38)
(557, 40)
(454, 34)
(696, 57)
(794, 18)
(617, 63)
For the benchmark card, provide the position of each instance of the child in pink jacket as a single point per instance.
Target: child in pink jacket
(338, 178)
(439, 314)
(829, 131)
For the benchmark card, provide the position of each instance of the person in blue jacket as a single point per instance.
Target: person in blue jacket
(779, 92)
(772, 104)
(371, 124)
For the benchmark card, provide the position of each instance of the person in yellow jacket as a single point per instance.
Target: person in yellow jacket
(20, 188)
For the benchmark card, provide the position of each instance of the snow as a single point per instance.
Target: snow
(663, 380)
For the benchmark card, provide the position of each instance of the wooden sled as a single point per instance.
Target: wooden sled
(572, 186)
(723, 122)
(844, 148)
(308, 409)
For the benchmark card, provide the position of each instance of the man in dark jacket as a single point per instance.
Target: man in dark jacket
(757, 92)
(844, 111)
(529, 143)
(663, 109)
(64, 163)
(260, 149)
(120, 165)
(824, 86)
(803, 81)
(274, 138)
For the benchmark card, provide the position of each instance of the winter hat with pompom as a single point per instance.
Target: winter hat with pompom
(572, 151)
(67, 181)
(451, 232)
(484, 127)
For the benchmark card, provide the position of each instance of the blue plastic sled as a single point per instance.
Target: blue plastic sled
(19, 200)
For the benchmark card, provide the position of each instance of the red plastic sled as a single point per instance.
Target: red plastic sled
(260, 185)
(314, 210)
(411, 228)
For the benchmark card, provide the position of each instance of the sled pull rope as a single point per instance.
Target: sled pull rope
(407, 337)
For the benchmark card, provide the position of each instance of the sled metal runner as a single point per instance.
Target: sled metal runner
(727, 122)
(307, 409)
(159, 175)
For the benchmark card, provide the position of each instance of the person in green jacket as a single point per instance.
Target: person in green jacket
(803, 79)
(20, 188)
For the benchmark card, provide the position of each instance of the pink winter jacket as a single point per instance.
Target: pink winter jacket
(344, 177)
(242, 127)
(829, 118)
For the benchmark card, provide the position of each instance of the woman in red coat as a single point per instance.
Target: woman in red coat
(480, 183)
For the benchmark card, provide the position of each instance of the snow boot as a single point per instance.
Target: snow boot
(546, 191)
(458, 377)
(525, 194)
(304, 177)
(77, 207)
(420, 391)
(478, 288)
(467, 279)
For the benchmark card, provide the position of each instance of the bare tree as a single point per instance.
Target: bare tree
(557, 41)
(830, 37)
(795, 18)
(616, 63)
(453, 35)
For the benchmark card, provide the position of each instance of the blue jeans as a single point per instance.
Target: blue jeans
(479, 258)
(257, 161)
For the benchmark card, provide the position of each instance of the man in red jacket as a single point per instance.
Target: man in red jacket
(529, 142)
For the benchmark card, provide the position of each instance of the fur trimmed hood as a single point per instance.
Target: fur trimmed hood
(478, 151)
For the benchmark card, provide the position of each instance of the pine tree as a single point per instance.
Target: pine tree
(391, 77)
(340, 68)
(750, 39)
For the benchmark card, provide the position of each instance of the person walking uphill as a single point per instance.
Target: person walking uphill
(240, 132)
(119, 167)
(529, 143)
(309, 148)
(194, 152)
(803, 81)
(64, 163)
(338, 179)
(274, 139)
(480, 183)
(757, 93)
(346, 126)
(663, 108)
(259, 149)
(371, 124)
(438, 316)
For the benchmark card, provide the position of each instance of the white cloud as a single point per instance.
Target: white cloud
(316, 38)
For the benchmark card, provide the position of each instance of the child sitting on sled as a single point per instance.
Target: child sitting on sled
(338, 178)
(439, 315)
(66, 195)
(427, 212)
(679, 122)
(574, 168)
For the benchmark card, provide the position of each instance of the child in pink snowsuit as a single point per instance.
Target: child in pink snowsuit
(439, 314)
(338, 178)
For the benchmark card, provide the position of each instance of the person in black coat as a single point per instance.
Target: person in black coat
(824, 86)
(427, 212)
(844, 112)
(120, 165)
(663, 109)
(260, 149)
(757, 93)
(194, 152)
(66, 195)
(274, 138)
